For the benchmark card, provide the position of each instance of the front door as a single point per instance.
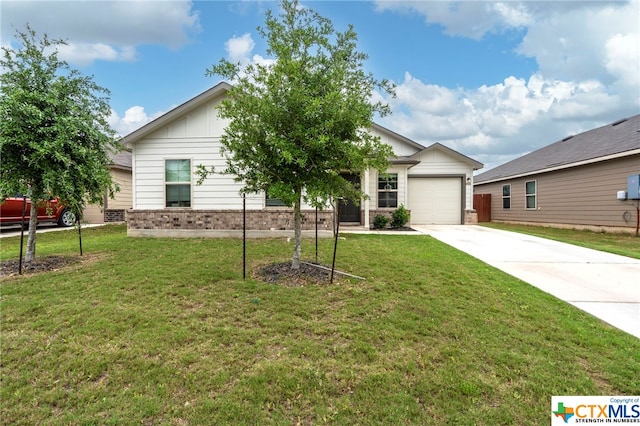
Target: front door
(349, 211)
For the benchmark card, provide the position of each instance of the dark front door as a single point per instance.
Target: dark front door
(349, 211)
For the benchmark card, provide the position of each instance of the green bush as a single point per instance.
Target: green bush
(380, 221)
(400, 217)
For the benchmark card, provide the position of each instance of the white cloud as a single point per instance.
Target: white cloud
(513, 15)
(593, 42)
(571, 41)
(86, 53)
(103, 30)
(134, 118)
(588, 74)
(472, 19)
(240, 48)
(509, 118)
(430, 99)
(622, 58)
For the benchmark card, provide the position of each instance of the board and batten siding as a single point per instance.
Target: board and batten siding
(218, 191)
(584, 195)
(436, 162)
(400, 149)
(196, 137)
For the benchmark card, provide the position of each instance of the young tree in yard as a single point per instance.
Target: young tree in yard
(54, 135)
(298, 123)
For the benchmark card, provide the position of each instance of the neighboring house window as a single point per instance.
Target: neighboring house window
(388, 190)
(177, 178)
(530, 194)
(506, 196)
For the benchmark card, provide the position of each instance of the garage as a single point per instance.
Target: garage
(435, 200)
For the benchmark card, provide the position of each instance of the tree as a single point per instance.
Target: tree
(54, 135)
(298, 123)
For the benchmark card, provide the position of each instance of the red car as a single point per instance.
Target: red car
(48, 211)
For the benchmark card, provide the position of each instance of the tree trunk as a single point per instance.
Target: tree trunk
(31, 240)
(297, 250)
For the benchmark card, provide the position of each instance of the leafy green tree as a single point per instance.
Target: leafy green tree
(298, 123)
(54, 135)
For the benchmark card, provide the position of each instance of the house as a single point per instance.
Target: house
(573, 182)
(433, 182)
(114, 209)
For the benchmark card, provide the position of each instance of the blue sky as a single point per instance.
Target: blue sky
(493, 80)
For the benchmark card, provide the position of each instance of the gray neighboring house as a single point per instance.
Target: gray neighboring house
(572, 183)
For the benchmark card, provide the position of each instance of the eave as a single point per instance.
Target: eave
(561, 167)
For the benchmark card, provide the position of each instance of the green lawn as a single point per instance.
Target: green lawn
(166, 332)
(617, 243)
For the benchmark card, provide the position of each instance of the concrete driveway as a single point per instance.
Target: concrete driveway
(605, 285)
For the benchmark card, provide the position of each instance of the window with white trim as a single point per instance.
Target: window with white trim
(388, 190)
(506, 196)
(177, 179)
(530, 194)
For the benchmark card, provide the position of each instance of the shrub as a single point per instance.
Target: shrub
(400, 217)
(380, 221)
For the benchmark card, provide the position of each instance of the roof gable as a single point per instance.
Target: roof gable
(407, 150)
(216, 91)
(449, 152)
(402, 145)
(620, 138)
(219, 90)
(413, 150)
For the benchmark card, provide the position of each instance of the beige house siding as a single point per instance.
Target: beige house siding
(122, 201)
(93, 214)
(584, 195)
(438, 162)
(122, 198)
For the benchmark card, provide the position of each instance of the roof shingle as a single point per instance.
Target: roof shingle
(615, 138)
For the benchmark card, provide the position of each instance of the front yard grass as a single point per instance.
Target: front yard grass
(165, 331)
(616, 243)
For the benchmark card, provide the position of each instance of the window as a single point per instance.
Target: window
(271, 201)
(177, 178)
(530, 194)
(388, 190)
(506, 196)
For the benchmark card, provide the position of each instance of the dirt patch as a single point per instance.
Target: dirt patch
(277, 273)
(9, 268)
(282, 274)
